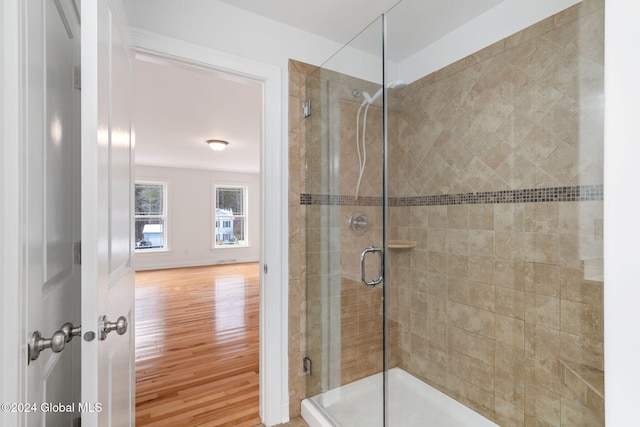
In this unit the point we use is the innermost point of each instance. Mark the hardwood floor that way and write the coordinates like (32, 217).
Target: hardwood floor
(197, 346)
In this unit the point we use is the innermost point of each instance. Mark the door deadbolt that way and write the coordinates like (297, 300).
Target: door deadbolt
(120, 326)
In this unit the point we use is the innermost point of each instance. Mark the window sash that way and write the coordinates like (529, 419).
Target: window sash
(230, 229)
(155, 213)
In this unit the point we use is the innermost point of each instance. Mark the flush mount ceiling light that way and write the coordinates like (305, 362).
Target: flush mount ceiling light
(217, 144)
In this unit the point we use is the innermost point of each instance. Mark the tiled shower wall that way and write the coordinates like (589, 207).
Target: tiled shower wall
(500, 303)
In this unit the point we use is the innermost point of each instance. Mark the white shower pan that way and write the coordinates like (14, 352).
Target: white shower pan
(413, 403)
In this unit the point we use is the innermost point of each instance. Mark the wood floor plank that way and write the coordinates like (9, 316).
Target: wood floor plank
(197, 346)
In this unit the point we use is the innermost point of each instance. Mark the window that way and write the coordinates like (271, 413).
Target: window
(230, 216)
(151, 216)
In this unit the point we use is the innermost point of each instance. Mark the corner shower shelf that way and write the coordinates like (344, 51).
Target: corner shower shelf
(402, 244)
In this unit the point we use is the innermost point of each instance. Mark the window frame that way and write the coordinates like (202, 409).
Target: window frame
(163, 216)
(215, 219)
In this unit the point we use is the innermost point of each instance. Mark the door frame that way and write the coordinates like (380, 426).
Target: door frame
(274, 363)
(274, 406)
(13, 363)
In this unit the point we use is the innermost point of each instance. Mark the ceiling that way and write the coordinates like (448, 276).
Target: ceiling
(411, 25)
(178, 107)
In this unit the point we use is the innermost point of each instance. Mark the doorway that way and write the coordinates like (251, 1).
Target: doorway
(179, 106)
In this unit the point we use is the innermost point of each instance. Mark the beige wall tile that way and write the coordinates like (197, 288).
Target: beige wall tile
(481, 268)
(509, 274)
(458, 216)
(481, 217)
(510, 302)
(493, 294)
(481, 242)
(510, 374)
(508, 414)
(583, 320)
(510, 331)
(543, 405)
(482, 295)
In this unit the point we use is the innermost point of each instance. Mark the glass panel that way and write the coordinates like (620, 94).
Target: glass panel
(344, 215)
(495, 174)
(150, 216)
(149, 233)
(230, 199)
(230, 224)
(149, 199)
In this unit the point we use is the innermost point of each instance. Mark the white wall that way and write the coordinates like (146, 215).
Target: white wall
(189, 229)
(622, 233)
(219, 26)
(499, 22)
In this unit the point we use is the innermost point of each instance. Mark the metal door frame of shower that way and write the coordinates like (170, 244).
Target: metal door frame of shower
(385, 230)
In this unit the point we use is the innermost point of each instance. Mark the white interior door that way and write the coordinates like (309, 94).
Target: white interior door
(108, 373)
(50, 209)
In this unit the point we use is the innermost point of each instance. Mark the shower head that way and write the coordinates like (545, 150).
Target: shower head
(396, 84)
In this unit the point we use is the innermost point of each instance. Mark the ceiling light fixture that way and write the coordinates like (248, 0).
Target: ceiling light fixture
(217, 144)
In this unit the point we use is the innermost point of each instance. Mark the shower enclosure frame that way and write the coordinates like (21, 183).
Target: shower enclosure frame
(560, 217)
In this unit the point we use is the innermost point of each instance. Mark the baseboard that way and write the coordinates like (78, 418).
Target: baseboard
(183, 264)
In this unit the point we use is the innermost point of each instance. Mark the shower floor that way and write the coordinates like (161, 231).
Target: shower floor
(412, 404)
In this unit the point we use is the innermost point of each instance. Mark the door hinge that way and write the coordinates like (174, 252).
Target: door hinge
(265, 268)
(77, 253)
(77, 77)
(306, 366)
(306, 108)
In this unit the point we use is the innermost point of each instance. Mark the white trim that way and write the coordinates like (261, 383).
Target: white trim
(194, 263)
(274, 387)
(12, 301)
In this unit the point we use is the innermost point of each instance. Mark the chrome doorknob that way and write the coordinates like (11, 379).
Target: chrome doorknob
(56, 343)
(120, 326)
(70, 331)
(37, 343)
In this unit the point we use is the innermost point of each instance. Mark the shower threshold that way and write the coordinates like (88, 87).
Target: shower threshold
(412, 403)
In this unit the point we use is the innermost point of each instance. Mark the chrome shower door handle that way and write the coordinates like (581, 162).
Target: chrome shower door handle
(363, 278)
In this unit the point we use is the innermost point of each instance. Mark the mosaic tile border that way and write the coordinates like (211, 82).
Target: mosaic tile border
(532, 195)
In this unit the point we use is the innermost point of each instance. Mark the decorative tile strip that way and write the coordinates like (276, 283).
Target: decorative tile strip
(532, 195)
(338, 200)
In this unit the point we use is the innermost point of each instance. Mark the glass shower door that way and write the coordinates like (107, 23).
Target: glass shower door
(482, 181)
(344, 211)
